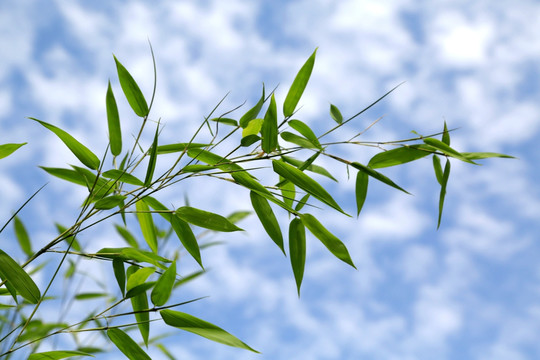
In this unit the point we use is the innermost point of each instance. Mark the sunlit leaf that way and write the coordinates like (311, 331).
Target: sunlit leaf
(253, 127)
(139, 303)
(225, 121)
(298, 140)
(127, 345)
(438, 169)
(249, 140)
(127, 236)
(446, 135)
(22, 236)
(329, 240)
(179, 147)
(139, 277)
(302, 202)
(82, 153)
(18, 278)
(147, 225)
(444, 182)
(120, 274)
(298, 86)
(269, 129)
(66, 174)
(163, 288)
(128, 253)
(306, 131)
(398, 156)
(122, 176)
(238, 215)
(297, 250)
(56, 355)
(485, 155)
(113, 121)
(202, 328)
(336, 114)
(152, 160)
(8, 149)
(253, 112)
(186, 236)
(206, 219)
(268, 219)
(313, 168)
(71, 240)
(362, 180)
(109, 202)
(288, 191)
(377, 175)
(139, 289)
(447, 150)
(131, 90)
(90, 295)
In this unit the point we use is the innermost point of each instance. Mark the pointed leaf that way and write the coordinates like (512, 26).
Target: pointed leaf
(122, 176)
(249, 140)
(152, 160)
(253, 112)
(110, 202)
(22, 236)
(362, 180)
(269, 129)
(302, 202)
(187, 238)
(113, 121)
(66, 174)
(268, 219)
(202, 328)
(336, 114)
(253, 127)
(127, 345)
(71, 240)
(446, 135)
(329, 240)
(56, 355)
(225, 121)
(140, 303)
(442, 195)
(398, 156)
(238, 215)
(447, 150)
(139, 277)
(82, 153)
(288, 191)
(18, 278)
(312, 167)
(298, 86)
(179, 147)
(147, 225)
(438, 169)
(8, 149)
(485, 155)
(131, 90)
(298, 140)
(206, 219)
(306, 131)
(297, 250)
(303, 181)
(127, 236)
(120, 274)
(377, 175)
(163, 288)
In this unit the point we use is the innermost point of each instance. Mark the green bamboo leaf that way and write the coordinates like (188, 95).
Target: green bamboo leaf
(140, 303)
(131, 90)
(139, 277)
(195, 168)
(268, 219)
(66, 174)
(269, 129)
(336, 114)
(140, 289)
(110, 202)
(179, 147)
(298, 86)
(8, 149)
(302, 202)
(152, 160)
(225, 121)
(297, 250)
(398, 156)
(120, 274)
(147, 225)
(303, 181)
(485, 155)
(82, 153)
(438, 169)
(362, 180)
(253, 112)
(249, 140)
(298, 140)
(163, 288)
(22, 236)
(127, 236)
(329, 240)
(238, 215)
(127, 345)
(253, 127)
(377, 175)
(213, 159)
(187, 238)
(122, 176)
(202, 328)
(56, 355)
(306, 131)
(90, 296)
(442, 195)
(18, 278)
(71, 240)
(113, 121)
(128, 253)
(206, 219)
(312, 167)
(288, 191)
(446, 135)
(447, 150)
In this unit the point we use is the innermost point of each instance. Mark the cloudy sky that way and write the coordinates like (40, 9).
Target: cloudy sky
(467, 291)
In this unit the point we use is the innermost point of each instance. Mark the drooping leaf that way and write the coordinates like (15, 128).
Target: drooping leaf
(268, 219)
(297, 250)
(238, 215)
(438, 169)
(225, 121)
(362, 180)
(442, 195)
(56, 355)
(120, 274)
(206, 219)
(18, 278)
(147, 225)
(66, 174)
(127, 345)
(122, 176)
(303, 181)
(298, 86)
(377, 175)
(446, 135)
(82, 153)
(113, 121)
(336, 114)
(8, 149)
(187, 238)
(22, 236)
(485, 155)
(110, 202)
(152, 160)
(269, 130)
(127, 236)
(306, 131)
(253, 112)
(447, 150)
(329, 240)
(202, 328)
(253, 127)
(398, 156)
(131, 90)
(179, 147)
(140, 303)
(163, 288)
(99, 187)
(313, 168)
(297, 139)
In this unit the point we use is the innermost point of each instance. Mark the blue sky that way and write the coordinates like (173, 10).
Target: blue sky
(467, 291)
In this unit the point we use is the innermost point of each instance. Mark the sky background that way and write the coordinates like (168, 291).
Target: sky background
(467, 291)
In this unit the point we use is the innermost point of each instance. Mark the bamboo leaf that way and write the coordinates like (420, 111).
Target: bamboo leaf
(139, 277)
(298, 140)
(109, 202)
(122, 176)
(297, 250)
(66, 174)
(113, 121)
(249, 140)
(202, 328)
(120, 274)
(288, 191)
(253, 127)
(56, 355)
(187, 238)
(302, 202)
(438, 169)
(140, 303)
(298, 86)
(127, 345)
(18, 278)
(444, 182)
(268, 219)
(306, 131)
(303, 181)
(336, 114)
(71, 240)
(377, 175)
(22, 236)
(179, 147)
(446, 135)
(147, 225)
(152, 160)
(398, 156)
(238, 215)
(312, 167)
(362, 180)
(447, 150)
(206, 219)
(163, 288)
(8, 149)
(82, 153)
(329, 240)
(131, 90)
(485, 155)
(253, 112)
(127, 236)
(90, 295)
(225, 121)
(269, 130)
